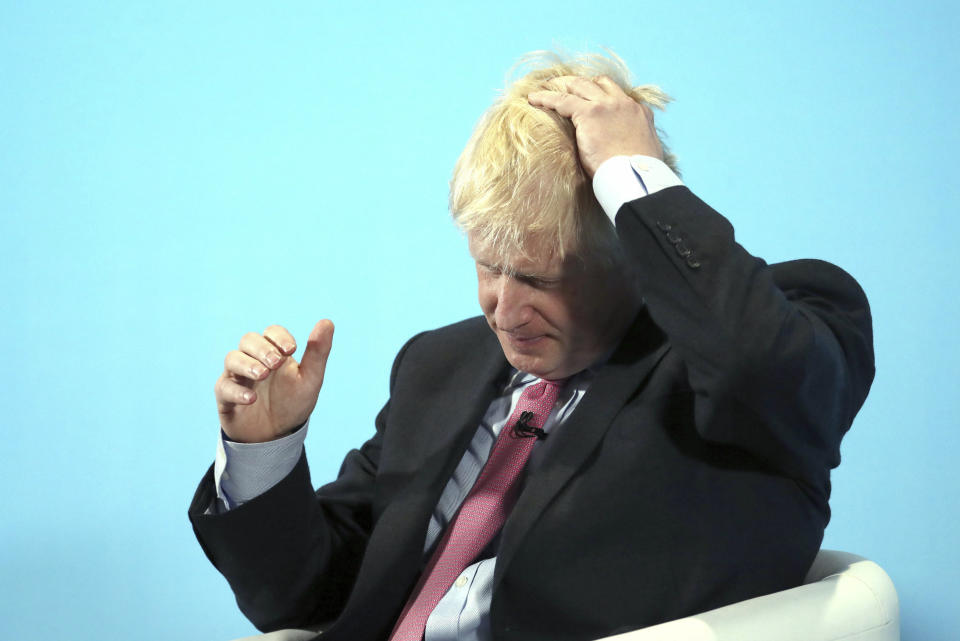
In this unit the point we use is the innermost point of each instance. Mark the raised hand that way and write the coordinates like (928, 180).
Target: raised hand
(608, 121)
(263, 392)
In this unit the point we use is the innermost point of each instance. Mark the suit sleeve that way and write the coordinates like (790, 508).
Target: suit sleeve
(291, 555)
(779, 357)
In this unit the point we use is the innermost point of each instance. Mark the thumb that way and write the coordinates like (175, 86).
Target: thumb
(314, 361)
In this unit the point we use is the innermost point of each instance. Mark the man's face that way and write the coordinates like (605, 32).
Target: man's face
(553, 318)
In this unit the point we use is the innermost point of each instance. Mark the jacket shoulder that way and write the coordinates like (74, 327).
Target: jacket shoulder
(468, 331)
(445, 348)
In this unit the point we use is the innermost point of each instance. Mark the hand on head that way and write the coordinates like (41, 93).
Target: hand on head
(608, 121)
(263, 392)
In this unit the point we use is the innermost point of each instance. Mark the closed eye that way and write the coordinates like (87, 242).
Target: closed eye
(537, 282)
(491, 269)
(531, 280)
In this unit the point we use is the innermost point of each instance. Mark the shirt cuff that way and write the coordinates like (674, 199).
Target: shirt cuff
(244, 471)
(620, 179)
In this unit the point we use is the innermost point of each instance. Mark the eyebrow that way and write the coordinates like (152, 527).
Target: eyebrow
(514, 273)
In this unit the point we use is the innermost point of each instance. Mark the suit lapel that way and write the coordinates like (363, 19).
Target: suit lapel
(641, 349)
(444, 420)
(447, 419)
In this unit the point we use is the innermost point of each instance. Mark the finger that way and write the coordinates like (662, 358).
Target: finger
(230, 393)
(564, 104)
(243, 366)
(314, 361)
(281, 338)
(610, 87)
(261, 349)
(583, 87)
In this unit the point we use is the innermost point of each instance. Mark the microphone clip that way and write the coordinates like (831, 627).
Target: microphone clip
(523, 429)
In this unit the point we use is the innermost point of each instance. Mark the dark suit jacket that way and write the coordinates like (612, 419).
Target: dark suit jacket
(693, 474)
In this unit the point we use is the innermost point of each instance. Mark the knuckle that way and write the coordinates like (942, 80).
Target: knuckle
(234, 362)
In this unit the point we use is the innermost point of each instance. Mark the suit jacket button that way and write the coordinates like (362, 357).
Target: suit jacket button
(693, 264)
(673, 238)
(683, 250)
(663, 226)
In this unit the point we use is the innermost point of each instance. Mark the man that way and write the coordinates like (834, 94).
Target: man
(647, 431)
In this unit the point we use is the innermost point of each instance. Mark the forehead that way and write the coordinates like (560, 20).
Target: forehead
(536, 259)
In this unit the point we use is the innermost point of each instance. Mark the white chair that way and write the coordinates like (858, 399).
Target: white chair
(845, 597)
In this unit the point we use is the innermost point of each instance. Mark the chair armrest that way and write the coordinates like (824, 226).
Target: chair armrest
(850, 598)
(283, 635)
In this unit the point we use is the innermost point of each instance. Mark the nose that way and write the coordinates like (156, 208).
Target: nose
(513, 308)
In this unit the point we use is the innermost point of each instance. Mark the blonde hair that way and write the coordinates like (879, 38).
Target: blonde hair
(518, 187)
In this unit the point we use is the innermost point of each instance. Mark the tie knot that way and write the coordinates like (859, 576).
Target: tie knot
(541, 395)
(543, 386)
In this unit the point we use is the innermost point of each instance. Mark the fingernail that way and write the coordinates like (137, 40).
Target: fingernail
(273, 359)
(247, 396)
(289, 347)
(257, 371)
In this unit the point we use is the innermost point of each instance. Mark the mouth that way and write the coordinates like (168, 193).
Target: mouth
(522, 343)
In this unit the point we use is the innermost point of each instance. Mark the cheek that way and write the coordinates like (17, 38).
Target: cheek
(567, 313)
(487, 298)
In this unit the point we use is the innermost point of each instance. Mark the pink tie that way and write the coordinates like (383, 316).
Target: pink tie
(482, 513)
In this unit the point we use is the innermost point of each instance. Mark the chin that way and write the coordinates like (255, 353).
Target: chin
(524, 362)
(538, 365)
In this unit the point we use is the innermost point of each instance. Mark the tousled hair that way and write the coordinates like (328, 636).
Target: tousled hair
(518, 187)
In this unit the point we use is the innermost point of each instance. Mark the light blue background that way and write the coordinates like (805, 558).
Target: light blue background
(175, 174)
